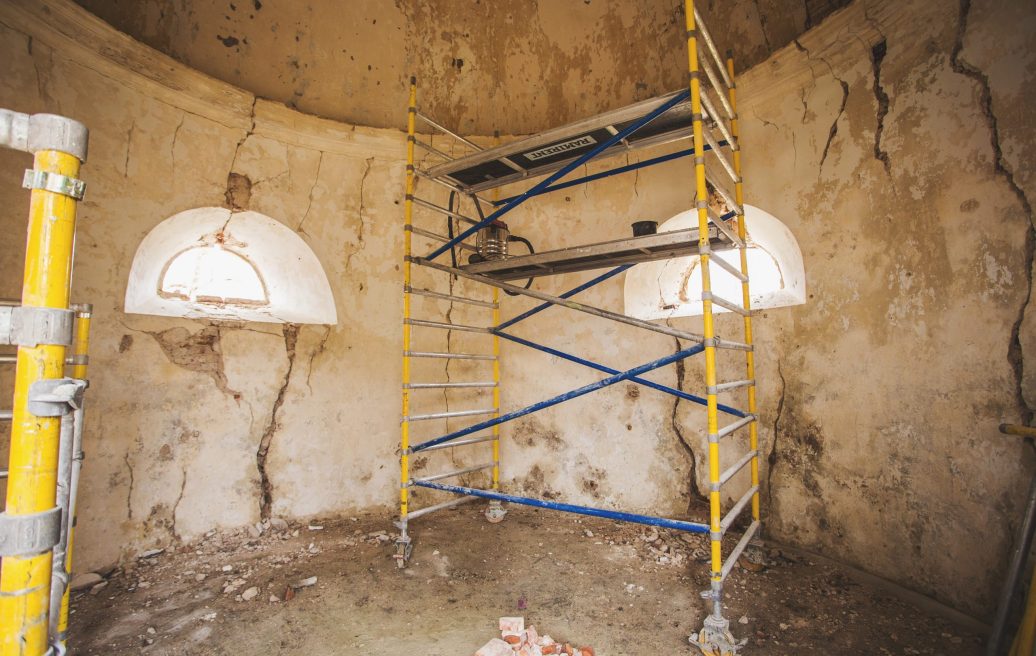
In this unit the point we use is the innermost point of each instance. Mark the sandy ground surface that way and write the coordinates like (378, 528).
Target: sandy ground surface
(622, 589)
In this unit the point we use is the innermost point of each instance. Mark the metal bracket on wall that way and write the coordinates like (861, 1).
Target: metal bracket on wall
(33, 326)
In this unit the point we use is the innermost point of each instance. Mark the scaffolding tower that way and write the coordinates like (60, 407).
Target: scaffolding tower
(432, 314)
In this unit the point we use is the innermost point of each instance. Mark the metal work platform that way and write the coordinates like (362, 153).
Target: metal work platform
(662, 246)
(548, 151)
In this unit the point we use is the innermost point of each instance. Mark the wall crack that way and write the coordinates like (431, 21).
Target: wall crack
(312, 189)
(878, 53)
(962, 67)
(694, 494)
(772, 458)
(291, 336)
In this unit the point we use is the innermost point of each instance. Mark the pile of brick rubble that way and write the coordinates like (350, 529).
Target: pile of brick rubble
(516, 640)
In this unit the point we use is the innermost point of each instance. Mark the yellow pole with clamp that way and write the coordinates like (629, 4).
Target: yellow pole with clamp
(59, 146)
(402, 546)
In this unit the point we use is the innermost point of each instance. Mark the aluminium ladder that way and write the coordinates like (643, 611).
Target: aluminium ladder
(710, 121)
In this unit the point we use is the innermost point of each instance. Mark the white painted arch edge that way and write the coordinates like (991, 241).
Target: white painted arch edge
(672, 288)
(296, 285)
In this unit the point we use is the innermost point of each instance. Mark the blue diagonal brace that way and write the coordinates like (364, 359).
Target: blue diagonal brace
(608, 370)
(562, 172)
(570, 293)
(679, 525)
(610, 172)
(561, 398)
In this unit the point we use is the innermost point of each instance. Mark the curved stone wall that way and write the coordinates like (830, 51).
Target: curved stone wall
(892, 141)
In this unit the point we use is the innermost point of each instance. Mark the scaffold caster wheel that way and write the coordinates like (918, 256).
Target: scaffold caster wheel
(495, 512)
(715, 639)
(403, 548)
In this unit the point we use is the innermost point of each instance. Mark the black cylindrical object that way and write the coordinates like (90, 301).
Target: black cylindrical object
(642, 228)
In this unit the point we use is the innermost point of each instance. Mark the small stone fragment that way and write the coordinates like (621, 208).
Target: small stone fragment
(512, 626)
(85, 580)
(250, 593)
(495, 647)
(278, 524)
(304, 583)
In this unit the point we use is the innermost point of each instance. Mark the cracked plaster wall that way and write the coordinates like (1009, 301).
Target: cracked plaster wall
(879, 398)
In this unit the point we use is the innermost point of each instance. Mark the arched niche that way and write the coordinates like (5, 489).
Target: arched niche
(210, 262)
(672, 288)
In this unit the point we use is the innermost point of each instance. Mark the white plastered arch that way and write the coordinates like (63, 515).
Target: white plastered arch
(294, 286)
(672, 288)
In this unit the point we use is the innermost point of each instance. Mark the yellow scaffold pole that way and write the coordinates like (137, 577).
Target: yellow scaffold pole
(742, 233)
(714, 639)
(403, 544)
(80, 355)
(59, 146)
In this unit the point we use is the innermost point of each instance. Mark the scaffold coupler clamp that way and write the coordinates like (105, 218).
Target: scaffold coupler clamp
(495, 512)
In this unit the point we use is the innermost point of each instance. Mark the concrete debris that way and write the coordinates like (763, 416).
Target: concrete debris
(516, 640)
(232, 586)
(250, 594)
(151, 553)
(255, 531)
(304, 583)
(315, 527)
(85, 580)
(227, 568)
(279, 524)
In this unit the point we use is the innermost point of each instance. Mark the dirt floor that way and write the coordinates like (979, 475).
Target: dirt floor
(622, 589)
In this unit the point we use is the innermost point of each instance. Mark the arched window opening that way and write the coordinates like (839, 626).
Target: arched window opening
(215, 275)
(212, 263)
(672, 288)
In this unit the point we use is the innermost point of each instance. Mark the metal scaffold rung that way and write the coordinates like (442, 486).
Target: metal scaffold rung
(736, 552)
(438, 126)
(448, 415)
(432, 149)
(449, 297)
(734, 384)
(437, 237)
(448, 356)
(472, 440)
(729, 519)
(420, 202)
(729, 268)
(448, 385)
(730, 428)
(724, 303)
(731, 471)
(439, 506)
(446, 326)
(451, 474)
(6, 415)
